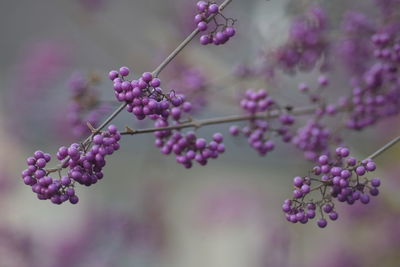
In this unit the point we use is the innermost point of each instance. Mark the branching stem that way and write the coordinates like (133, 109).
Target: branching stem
(155, 73)
(220, 120)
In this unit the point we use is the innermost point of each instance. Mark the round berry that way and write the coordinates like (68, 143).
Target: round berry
(124, 71)
(322, 223)
(112, 75)
(298, 181)
(213, 8)
(205, 39)
(375, 182)
(370, 166)
(230, 31)
(333, 216)
(147, 77)
(360, 170)
(202, 26)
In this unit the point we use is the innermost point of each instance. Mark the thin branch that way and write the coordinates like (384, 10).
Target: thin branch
(220, 120)
(372, 156)
(155, 73)
(384, 148)
(107, 121)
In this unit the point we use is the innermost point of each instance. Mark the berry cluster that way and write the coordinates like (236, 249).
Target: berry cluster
(188, 147)
(85, 106)
(259, 129)
(341, 178)
(145, 97)
(84, 166)
(221, 32)
(57, 190)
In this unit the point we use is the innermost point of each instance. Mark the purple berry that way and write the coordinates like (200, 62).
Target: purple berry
(205, 39)
(113, 74)
(375, 182)
(364, 198)
(202, 26)
(322, 223)
(230, 31)
(360, 170)
(370, 166)
(213, 8)
(333, 216)
(147, 77)
(124, 71)
(298, 181)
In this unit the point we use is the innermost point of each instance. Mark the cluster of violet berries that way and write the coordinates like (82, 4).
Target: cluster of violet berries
(259, 130)
(36, 176)
(341, 178)
(187, 147)
(217, 36)
(84, 107)
(145, 98)
(84, 167)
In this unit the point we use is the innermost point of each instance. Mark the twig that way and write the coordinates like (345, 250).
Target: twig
(220, 120)
(155, 73)
(157, 70)
(384, 148)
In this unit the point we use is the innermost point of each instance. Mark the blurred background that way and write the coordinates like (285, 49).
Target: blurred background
(148, 210)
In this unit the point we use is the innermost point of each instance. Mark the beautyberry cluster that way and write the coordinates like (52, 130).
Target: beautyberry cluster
(221, 32)
(145, 97)
(259, 129)
(84, 167)
(46, 187)
(188, 147)
(340, 178)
